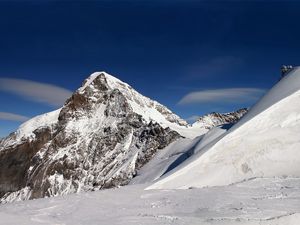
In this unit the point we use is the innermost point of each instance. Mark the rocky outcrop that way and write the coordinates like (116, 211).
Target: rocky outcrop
(215, 119)
(97, 140)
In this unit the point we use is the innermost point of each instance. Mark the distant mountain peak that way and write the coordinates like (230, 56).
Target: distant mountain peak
(214, 119)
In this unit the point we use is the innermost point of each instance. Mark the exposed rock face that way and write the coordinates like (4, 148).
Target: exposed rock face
(97, 140)
(15, 161)
(103, 134)
(214, 119)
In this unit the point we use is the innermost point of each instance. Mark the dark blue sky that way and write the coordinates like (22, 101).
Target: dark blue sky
(164, 49)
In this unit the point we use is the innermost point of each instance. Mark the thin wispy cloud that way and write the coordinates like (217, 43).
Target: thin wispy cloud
(35, 91)
(227, 95)
(12, 117)
(215, 67)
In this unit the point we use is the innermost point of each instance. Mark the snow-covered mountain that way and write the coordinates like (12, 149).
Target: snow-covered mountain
(105, 132)
(101, 136)
(264, 143)
(72, 146)
(215, 119)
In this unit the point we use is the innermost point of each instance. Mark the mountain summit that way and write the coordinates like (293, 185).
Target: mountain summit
(105, 132)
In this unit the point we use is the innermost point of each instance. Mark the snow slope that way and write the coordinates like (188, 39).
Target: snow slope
(175, 156)
(255, 202)
(265, 143)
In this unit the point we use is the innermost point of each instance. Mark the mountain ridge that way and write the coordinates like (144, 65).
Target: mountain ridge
(214, 119)
(105, 132)
(263, 144)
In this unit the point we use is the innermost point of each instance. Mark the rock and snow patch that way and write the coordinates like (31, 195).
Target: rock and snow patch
(214, 119)
(150, 110)
(26, 130)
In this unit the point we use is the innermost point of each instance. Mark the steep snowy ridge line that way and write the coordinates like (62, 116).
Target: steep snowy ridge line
(264, 143)
(256, 202)
(288, 85)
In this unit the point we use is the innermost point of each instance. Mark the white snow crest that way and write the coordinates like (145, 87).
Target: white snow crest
(26, 129)
(265, 143)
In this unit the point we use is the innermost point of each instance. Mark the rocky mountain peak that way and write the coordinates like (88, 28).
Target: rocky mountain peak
(102, 135)
(105, 132)
(214, 119)
(151, 110)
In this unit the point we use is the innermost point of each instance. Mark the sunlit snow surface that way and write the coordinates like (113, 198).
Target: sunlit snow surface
(268, 201)
(265, 143)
